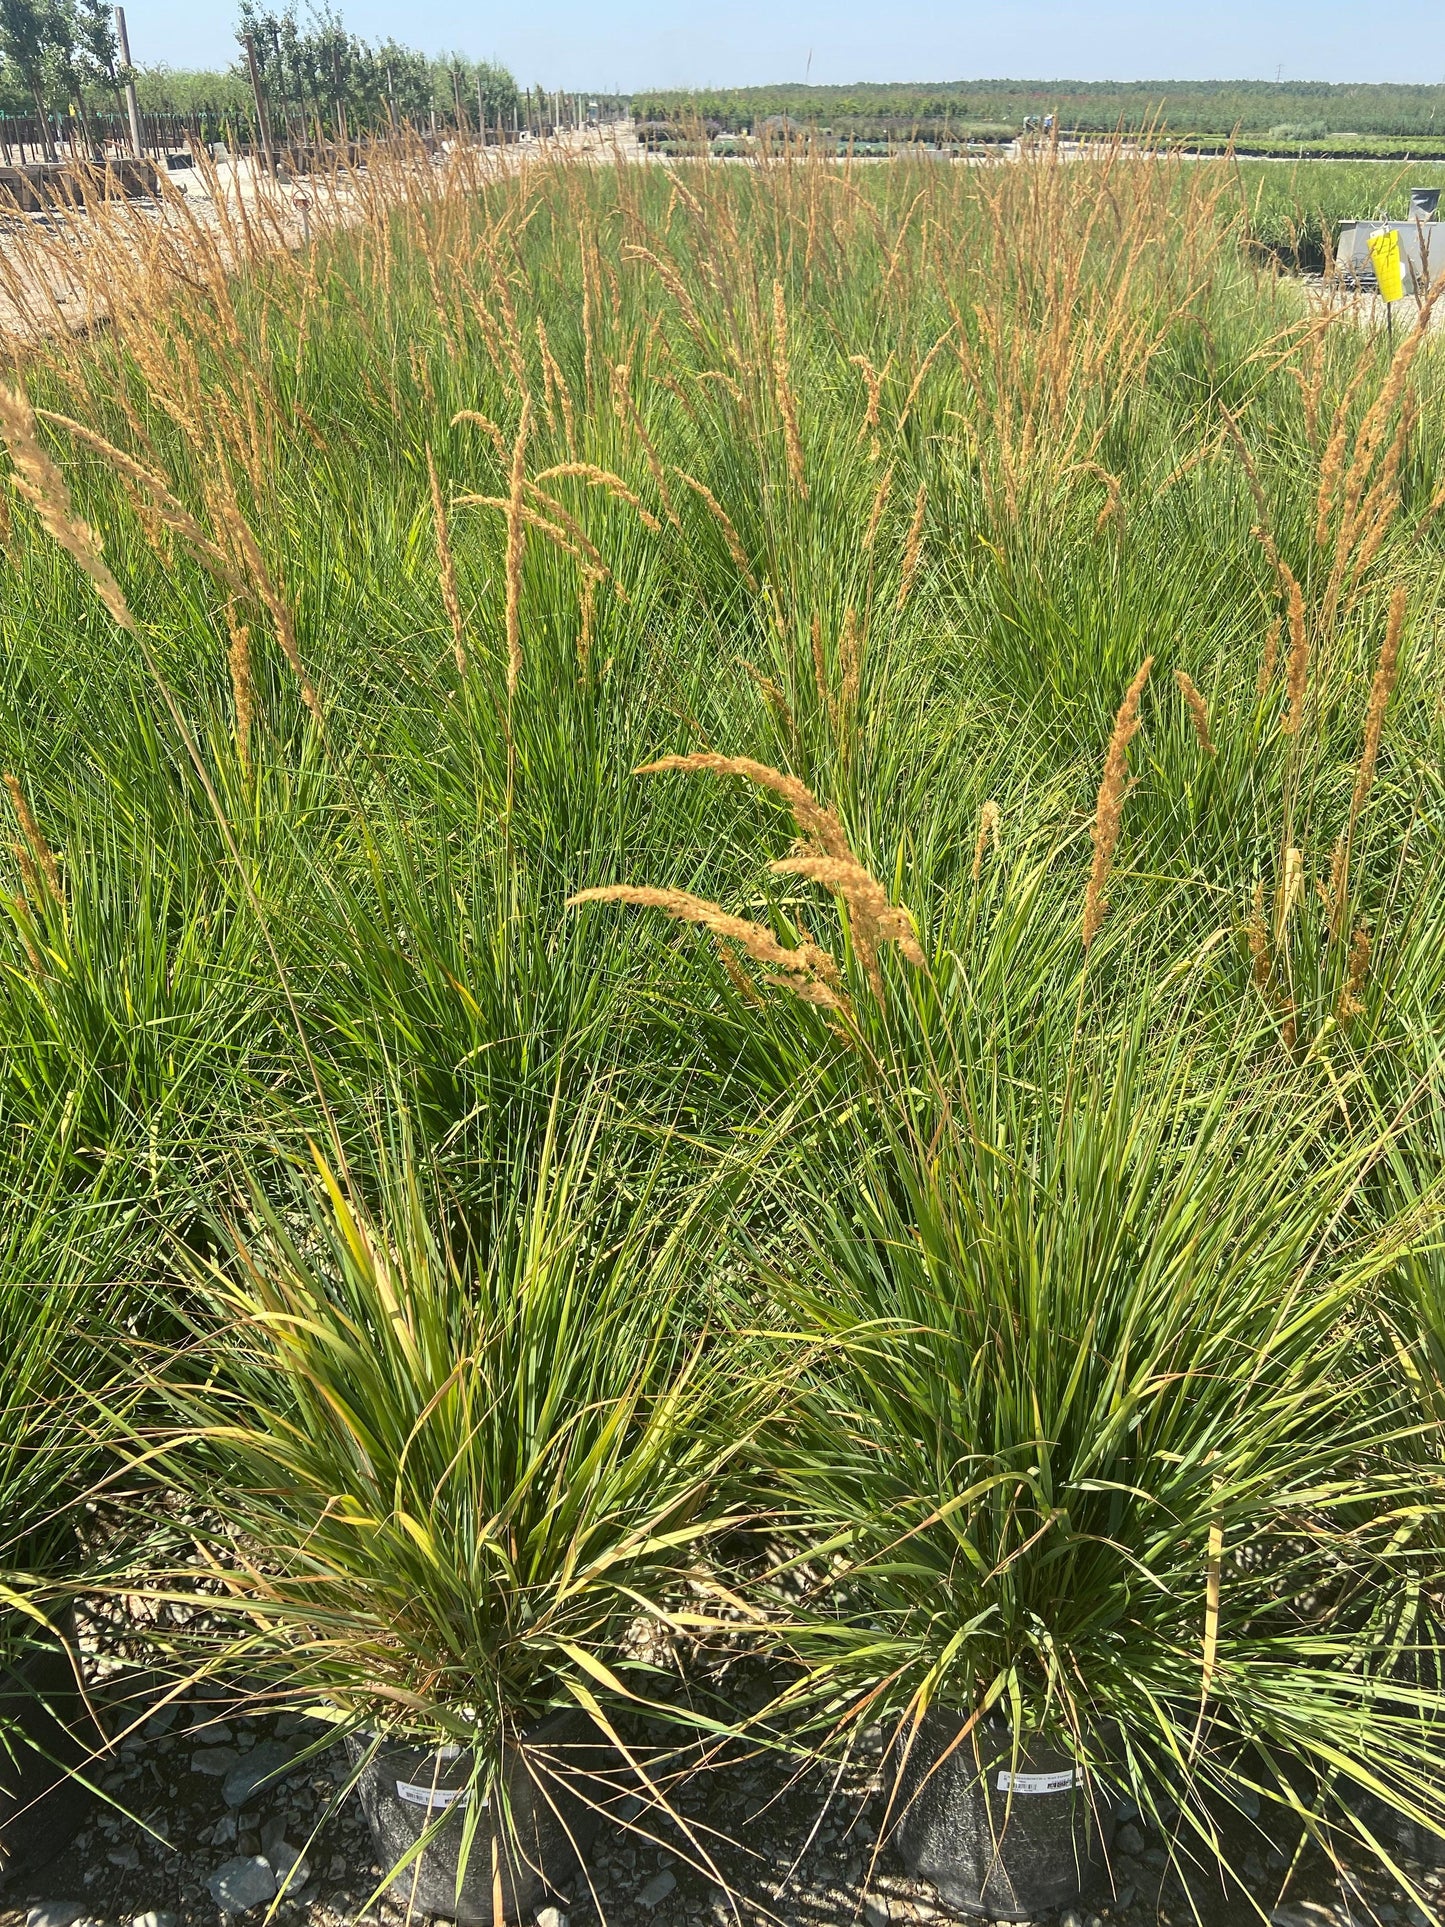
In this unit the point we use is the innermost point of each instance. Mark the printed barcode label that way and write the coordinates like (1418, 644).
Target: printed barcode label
(433, 1798)
(1039, 1782)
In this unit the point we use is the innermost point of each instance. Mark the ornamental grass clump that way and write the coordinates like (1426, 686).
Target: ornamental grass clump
(1085, 1448)
(461, 1481)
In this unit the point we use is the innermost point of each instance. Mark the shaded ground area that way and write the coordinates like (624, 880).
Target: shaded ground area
(209, 1841)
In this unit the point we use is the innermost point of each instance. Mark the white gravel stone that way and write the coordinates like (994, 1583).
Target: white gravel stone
(551, 1917)
(242, 1883)
(264, 1763)
(55, 1913)
(657, 1889)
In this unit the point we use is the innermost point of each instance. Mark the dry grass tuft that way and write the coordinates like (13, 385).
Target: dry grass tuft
(41, 858)
(41, 483)
(872, 919)
(787, 404)
(516, 544)
(990, 820)
(1296, 675)
(1110, 806)
(818, 824)
(808, 971)
(913, 547)
(1198, 712)
(1352, 1004)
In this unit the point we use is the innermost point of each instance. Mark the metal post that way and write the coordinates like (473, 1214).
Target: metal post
(132, 105)
(263, 125)
(481, 111)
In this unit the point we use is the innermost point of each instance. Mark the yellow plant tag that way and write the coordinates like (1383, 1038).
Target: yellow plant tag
(1385, 252)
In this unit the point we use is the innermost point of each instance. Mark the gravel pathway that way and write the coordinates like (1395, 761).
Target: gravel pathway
(218, 1824)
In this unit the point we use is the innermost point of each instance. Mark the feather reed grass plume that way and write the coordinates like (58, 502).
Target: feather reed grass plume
(1297, 666)
(1269, 661)
(809, 971)
(875, 513)
(819, 825)
(787, 405)
(872, 919)
(1110, 806)
(603, 478)
(730, 535)
(516, 544)
(42, 857)
(913, 547)
(251, 563)
(446, 566)
(1198, 712)
(1258, 929)
(1351, 1003)
(1382, 686)
(989, 822)
(873, 378)
(850, 659)
(160, 502)
(41, 483)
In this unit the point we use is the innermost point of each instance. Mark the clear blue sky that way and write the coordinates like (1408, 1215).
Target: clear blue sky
(628, 44)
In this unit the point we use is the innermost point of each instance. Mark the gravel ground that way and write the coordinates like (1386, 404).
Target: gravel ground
(212, 1848)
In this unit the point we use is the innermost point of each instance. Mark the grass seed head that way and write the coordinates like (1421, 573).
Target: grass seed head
(41, 483)
(1298, 666)
(1109, 809)
(40, 852)
(989, 821)
(1198, 712)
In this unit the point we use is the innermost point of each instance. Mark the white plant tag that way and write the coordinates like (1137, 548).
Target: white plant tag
(434, 1799)
(1059, 1782)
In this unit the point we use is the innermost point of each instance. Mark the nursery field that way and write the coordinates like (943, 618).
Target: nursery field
(722, 986)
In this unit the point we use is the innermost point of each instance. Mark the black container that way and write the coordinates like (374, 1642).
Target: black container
(998, 1836)
(45, 1732)
(406, 1789)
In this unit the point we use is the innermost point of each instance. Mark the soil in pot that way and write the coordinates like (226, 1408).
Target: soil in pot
(554, 1811)
(998, 1835)
(45, 1732)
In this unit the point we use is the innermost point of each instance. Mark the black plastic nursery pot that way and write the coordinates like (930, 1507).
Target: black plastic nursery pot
(997, 1835)
(554, 1818)
(44, 1724)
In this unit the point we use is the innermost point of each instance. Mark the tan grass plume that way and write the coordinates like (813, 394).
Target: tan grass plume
(1297, 666)
(1352, 1004)
(913, 547)
(1198, 712)
(875, 513)
(782, 381)
(516, 544)
(809, 971)
(989, 821)
(1110, 806)
(39, 851)
(41, 483)
(1382, 685)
